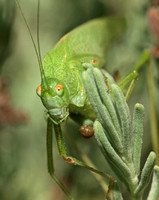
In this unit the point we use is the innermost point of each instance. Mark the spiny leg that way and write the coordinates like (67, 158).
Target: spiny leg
(50, 159)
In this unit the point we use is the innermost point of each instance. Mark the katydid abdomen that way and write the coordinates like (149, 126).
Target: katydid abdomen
(62, 90)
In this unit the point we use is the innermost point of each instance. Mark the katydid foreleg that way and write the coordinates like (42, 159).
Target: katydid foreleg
(70, 159)
(50, 164)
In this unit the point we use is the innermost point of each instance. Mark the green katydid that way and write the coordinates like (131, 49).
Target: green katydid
(61, 90)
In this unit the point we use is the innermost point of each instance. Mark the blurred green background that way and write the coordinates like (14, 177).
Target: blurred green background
(23, 169)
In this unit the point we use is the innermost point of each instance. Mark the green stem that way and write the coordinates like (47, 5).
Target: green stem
(153, 115)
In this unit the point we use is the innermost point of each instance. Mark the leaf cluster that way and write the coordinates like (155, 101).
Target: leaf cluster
(120, 138)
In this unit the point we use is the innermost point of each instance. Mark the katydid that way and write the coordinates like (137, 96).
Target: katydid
(62, 91)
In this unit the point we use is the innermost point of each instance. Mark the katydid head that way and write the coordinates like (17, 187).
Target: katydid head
(55, 98)
(53, 92)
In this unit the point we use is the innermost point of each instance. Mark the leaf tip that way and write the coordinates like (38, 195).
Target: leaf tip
(139, 106)
(156, 168)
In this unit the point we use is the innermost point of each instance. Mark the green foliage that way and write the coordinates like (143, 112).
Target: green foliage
(124, 157)
(154, 192)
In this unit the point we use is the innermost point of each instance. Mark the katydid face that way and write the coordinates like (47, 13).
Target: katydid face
(55, 98)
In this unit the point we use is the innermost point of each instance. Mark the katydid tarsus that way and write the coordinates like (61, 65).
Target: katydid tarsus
(62, 91)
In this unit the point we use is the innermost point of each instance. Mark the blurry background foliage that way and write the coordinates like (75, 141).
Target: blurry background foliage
(23, 170)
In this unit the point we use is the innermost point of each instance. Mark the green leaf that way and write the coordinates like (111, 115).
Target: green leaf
(110, 79)
(137, 133)
(154, 191)
(106, 99)
(100, 109)
(116, 192)
(146, 173)
(109, 151)
(125, 119)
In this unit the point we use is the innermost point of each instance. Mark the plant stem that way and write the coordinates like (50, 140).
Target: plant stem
(153, 115)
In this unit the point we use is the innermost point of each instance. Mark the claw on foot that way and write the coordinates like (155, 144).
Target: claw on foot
(69, 160)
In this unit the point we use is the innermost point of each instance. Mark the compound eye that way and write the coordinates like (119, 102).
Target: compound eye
(59, 90)
(38, 90)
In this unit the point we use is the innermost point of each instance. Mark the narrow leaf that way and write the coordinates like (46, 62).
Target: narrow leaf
(154, 191)
(137, 133)
(106, 99)
(100, 109)
(108, 150)
(116, 192)
(125, 118)
(110, 78)
(113, 192)
(146, 173)
(116, 171)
